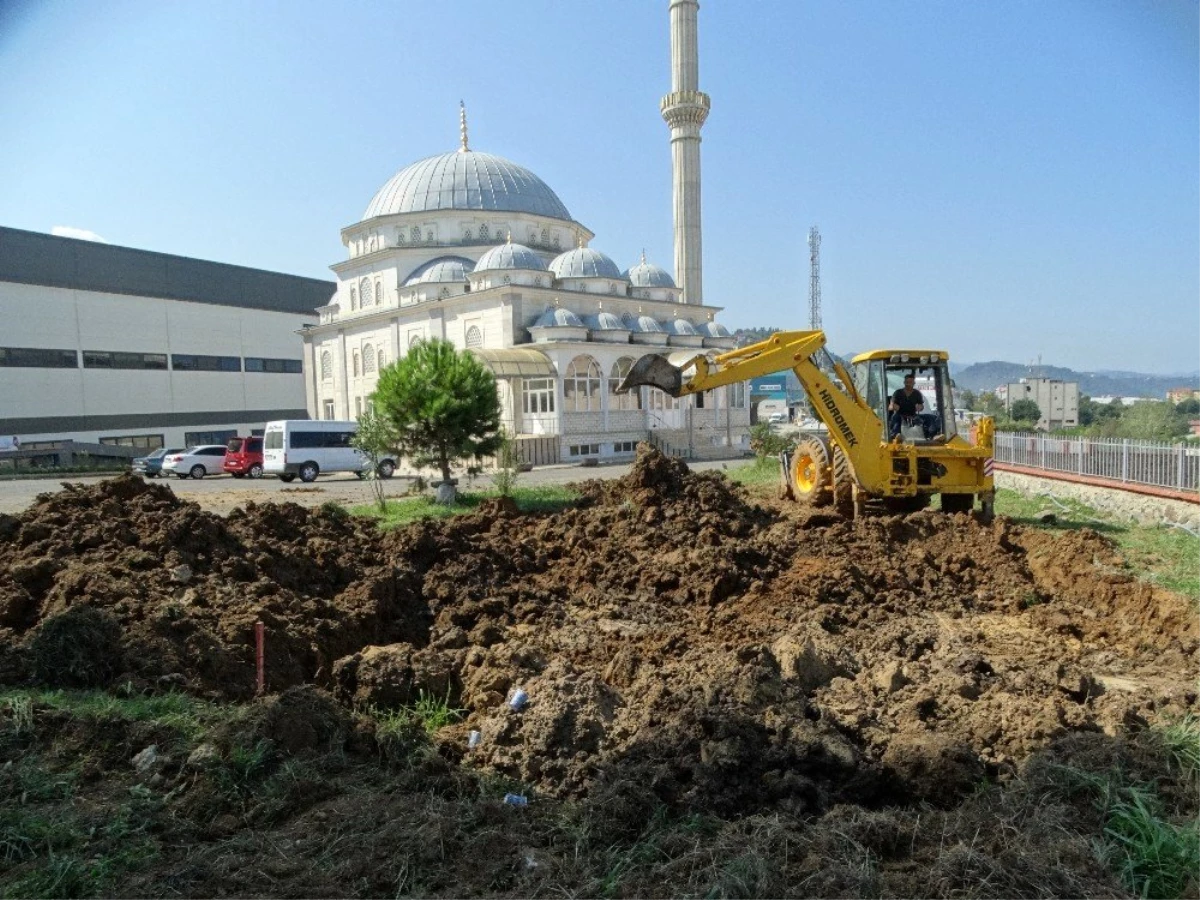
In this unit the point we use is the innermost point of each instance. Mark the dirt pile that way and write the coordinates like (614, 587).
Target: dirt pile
(669, 632)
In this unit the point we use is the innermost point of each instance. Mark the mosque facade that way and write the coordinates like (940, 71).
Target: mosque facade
(477, 250)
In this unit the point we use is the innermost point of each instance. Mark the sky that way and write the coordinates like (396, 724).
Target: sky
(1015, 180)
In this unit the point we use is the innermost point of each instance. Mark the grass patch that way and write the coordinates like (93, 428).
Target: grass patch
(181, 713)
(545, 498)
(765, 471)
(1162, 554)
(1153, 857)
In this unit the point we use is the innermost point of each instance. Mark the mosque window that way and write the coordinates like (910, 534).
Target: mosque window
(621, 401)
(556, 242)
(413, 340)
(357, 364)
(467, 235)
(378, 293)
(444, 293)
(532, 236)
(612, 287)
(429, 236)
(364, 293)
(371, 245)
(539, 281)
(483, 232)
(545, 235)
(581, 386)
(382, 359)
(538, 395)
(326, 365)
(474, 337)
(353, 298)
(368, 359)
(737, 395)
(399, 236)
(508, 279)
(659, 400)
(416, 235)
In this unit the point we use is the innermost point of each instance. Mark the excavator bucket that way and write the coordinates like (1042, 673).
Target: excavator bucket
(655, 371)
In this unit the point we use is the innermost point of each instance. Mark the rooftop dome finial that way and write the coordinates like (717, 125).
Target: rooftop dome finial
(510, 235)
(643, 256)
(579, 241)
(462, 126)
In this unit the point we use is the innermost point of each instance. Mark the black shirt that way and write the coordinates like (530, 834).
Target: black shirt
(907, 404)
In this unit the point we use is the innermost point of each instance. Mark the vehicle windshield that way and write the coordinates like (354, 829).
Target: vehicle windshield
(934, 384)
(234, 445)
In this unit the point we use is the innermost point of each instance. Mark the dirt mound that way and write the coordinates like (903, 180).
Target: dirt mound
(668, 632)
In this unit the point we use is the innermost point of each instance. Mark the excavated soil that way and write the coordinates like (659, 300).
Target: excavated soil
(732, 657)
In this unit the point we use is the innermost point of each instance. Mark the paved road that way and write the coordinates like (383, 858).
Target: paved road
(223, 493)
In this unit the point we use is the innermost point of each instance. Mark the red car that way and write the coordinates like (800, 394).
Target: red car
(243, 456)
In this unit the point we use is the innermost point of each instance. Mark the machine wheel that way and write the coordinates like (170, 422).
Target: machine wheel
(287, 478)
(309, 472)
(957, 503)
(198, 472)
(386, 468)
(255, 471)
(843, 484)
(811, 474)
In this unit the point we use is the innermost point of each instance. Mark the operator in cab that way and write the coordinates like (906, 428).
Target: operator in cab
(905, 403)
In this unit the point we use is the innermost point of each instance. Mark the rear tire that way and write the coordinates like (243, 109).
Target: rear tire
(288, 478)
(811, 475)
(843, 484)
(256, 471)
(198, 472)
(387, 468)
(309, 472)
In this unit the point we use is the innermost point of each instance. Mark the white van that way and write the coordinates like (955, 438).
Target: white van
(310, 447)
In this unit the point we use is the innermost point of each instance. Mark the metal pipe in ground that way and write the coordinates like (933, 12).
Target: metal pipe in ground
(260, 656)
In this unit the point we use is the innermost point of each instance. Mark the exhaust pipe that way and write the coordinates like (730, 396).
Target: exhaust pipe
(653, 370)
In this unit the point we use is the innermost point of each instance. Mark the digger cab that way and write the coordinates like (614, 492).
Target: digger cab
(879, 374)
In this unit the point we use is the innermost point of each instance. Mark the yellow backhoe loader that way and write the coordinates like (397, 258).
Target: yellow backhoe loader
(866, 457)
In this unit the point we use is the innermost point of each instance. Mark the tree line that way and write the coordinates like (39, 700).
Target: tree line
(1158, 420)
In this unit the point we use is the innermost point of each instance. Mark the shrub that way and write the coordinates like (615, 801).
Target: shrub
(78, 648)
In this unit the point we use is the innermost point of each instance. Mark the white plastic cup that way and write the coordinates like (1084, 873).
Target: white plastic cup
(473, 740)
(519, 698)
(516, 799)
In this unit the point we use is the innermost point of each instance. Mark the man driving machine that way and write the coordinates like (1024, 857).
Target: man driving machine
(905, 403)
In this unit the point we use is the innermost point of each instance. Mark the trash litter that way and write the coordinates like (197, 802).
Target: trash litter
(473, 740)
(516, 799)
(519, 699)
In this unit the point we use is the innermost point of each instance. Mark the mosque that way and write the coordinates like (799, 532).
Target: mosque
(475, 249)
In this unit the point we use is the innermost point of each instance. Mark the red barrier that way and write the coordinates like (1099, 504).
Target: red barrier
(260, 655)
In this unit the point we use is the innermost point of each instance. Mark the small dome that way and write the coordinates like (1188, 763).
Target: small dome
(646, 274)
(643, 324)
(606, 321)
(715, 329)
(510, 256)
(466, 180)
(558, 317)
(682, 326)
(584, 262)
(444, 268)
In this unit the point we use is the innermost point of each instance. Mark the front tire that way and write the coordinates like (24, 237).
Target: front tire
(309, 472)
(811, 475)
(255, 471)
(198, 472)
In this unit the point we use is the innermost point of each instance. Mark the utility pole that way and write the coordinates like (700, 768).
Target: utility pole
(814, 279)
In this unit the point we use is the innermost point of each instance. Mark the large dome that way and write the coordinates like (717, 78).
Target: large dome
(466, 180)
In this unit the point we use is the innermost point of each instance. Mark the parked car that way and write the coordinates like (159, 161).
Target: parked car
(195, 462)
(243, 456)
(151, 466)
(777, 418)
(309, 448)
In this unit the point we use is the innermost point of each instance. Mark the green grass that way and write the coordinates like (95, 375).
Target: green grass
(184, 714)
(1153, 857)
(546, 498)
(762, 471)
(1162, 554)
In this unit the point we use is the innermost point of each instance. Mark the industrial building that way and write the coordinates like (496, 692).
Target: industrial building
(111, 345)
(1058, 401)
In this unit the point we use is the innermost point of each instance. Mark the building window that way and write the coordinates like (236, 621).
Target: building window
(144, 441)
(624, 446)
(545, 235)
(583, 450)
(416, 235)
(378, 293)
(737, 395)
(382, 360)
(474, 337)
(326, 365)
(185, 362)
(621, 401)
(483, 232)
(28, 357)
(357, 364)
(581, 386)
(399, 235)
(368, 359)
(105, 359)
(328, 409)
(364, 293)
(200, 438)
(660, 400)
(353, 298)
(358, 407)
(413, 340)
(538, 396)
(274, 366)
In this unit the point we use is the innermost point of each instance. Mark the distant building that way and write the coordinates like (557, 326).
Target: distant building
(1179, 394)
(111, 345)
(1124, 401)
(1057, 400)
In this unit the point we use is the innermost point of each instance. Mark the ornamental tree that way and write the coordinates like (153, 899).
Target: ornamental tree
(439, 405)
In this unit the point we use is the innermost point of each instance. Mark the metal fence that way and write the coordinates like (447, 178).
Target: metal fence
(1154, 463)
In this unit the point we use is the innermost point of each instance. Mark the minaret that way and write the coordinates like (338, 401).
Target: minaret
(684, 110)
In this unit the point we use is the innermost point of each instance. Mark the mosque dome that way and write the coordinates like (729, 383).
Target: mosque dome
(647, 325)
(605, 321)
(682, 326)
(715, 329)
(466, 180)
(646, 274)
(442, 269)
(509, 256)
(558, 317)
(584, 262)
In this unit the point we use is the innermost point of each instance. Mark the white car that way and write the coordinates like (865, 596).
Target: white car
(196, 462)
(777, 417)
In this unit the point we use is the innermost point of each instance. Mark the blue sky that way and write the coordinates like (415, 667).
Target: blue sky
(1006, 180)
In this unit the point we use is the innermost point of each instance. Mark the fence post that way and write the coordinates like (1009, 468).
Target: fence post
(1082, 442)
(1179, 466)
(1125, 459)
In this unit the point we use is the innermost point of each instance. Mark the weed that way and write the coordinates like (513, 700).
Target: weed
(1152, 856)
(547, 498)
(78, 648)
(334, 510)
(763, 471)
(435, 713)
(1182, 738)
(19, 712)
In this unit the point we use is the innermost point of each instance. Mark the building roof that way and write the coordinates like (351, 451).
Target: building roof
(29, 257)
(452, 269)
(584, 262)
(646, 274)
(466, 180)
(509, 256)
(516, 363)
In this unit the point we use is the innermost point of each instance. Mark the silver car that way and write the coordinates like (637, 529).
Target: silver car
(196, 462)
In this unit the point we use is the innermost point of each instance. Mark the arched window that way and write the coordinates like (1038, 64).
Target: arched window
(399, 235)
(382, 359)
(364, 293)
(326, 365)
(413, 340)
(429, 236)
(581, 385)
(368, 359)
(371, 245)
(545, 235)
(474, 337)
(444, 293)
(621, 401)
(483, 232)
(416, 234)
(378, 292)
(353, 298)
(357, 364)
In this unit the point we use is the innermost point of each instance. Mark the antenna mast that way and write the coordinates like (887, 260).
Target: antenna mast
(814, 279)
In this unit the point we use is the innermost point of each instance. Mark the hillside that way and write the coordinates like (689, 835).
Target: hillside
(988, 375)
